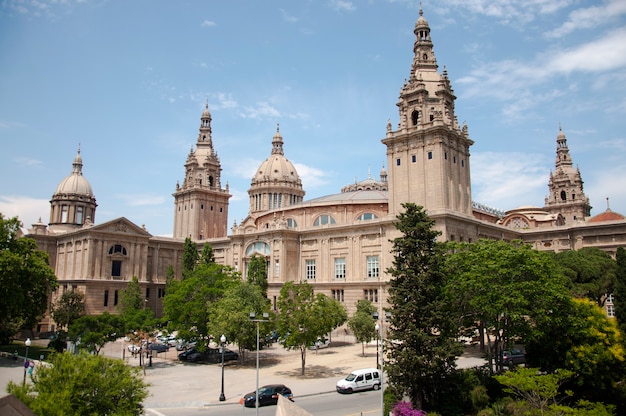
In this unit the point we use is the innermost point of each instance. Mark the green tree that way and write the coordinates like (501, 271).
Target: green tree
(133, 311)
(303, 317)
(590, 270)
(26, 280)
(231, 316)
(495, 286)
(188, 302)
(257, 273)
(426, 348)
(170, 276)
(83, 384)
(619, 291)
(91, 332)
(190, 257)
(69, 307)
(207, 257)
(362, 324)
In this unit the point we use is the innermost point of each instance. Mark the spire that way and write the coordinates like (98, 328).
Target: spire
(277, 142)
(563, 158)
(77, 165)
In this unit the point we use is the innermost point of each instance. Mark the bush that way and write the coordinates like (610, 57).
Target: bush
(406, 409)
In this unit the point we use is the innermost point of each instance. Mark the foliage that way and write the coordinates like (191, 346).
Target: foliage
(207, 257)
(26, 280)
(406, 409)
(231, 316)
(187, 303)
(304, 317)
(590, 270)
(170, 276)
(257, 273)
(83, 385)
(91, 332)
(619, 291)
(500, 288)
(69, 307)
(190, 257)
(133, 311)
(362, 324)
(426, 351)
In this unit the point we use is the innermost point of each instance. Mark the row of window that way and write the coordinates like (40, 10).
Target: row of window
(372, 270)
(160, 294)
(430, 156)
(368, 294)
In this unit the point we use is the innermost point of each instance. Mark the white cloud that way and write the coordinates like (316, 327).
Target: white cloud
(261, 110)
(207, 23)
(508, 11)
(288, 17)
(312, 177)
(590, 17)
(28, 210)
(28, 162)
(343, 5)
(135, 200)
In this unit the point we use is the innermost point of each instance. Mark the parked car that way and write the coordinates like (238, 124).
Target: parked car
(185, 345)
(155, 346)
(268, 395)
(513, 357)
(319, 344)
(184, 356)
(214, 355)
(364, 379)
(134, 349)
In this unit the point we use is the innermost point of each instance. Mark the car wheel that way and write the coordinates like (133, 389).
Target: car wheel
(349, 391)
(376, 386)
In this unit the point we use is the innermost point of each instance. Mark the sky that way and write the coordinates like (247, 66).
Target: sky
(127, 81)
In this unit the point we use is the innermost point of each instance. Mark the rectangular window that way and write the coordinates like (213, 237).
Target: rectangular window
(372, 267)
(115, 297)
(338, 295)
(310, 269)
(116, 268)
(430, 155)
(276, 268)
(371, 295)
(413, 158)
(147, 293)
(398, 162)
(340, 268)
(79, 215)
(64, 214)
(106, 298)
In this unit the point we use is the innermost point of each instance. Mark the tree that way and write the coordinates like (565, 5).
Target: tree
(590, 270)
(362, 324)
(26, 280)
(497, 285)
(188, 302)
(231, 316)
(257, 273)
(91, 332)
(190, 257)
(69, 307)
(207, 257)
(619, 291)
(132, 306)
(83, 385)
(421, 343)
(303, 317)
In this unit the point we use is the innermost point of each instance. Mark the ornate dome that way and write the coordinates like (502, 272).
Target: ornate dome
(75, 184)
(277, 168)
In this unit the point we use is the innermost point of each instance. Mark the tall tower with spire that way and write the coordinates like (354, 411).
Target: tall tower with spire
(201, 204)
(276, 183)
(566, 186)
(428, 154)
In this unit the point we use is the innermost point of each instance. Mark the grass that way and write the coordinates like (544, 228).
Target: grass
(34, 351)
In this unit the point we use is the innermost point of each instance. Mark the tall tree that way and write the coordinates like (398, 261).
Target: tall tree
(590, 270)
(362, 324)
(69, 307)
(207, 257)
(133, 311)
(303, 317)
(619, 292)
(92, 332)
(190, 257)
(26, 280)
(257, 273)
(84, 384)
(426, 348)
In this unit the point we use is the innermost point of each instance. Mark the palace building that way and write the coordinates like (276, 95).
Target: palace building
(339, 243)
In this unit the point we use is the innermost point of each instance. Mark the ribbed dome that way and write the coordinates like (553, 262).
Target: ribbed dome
(75, 184)
(276, 168)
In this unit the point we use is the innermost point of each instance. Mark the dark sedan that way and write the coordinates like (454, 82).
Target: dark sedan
(214, 355)
(268, 395)
(157, 347)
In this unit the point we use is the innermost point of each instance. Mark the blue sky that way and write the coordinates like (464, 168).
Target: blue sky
(128, 80)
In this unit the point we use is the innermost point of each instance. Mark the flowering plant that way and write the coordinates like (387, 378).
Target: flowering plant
(406, 409)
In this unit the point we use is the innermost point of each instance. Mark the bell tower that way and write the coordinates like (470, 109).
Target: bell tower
(428, 154)
(201, 204)
(566, 186)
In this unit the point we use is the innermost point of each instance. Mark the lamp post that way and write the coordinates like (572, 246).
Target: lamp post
(377, 328)
(382, 356)
(223, 341)
(26, 362)
(253, 319)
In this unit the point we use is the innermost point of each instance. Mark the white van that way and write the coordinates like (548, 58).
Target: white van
(364, 379)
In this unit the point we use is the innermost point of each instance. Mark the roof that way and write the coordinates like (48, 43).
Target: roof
(356, 196)
(607, 215)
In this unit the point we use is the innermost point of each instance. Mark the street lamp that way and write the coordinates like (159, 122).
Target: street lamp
(377, 328)
(382, 356)
(26, 362)
(223, 341)
(253, 319)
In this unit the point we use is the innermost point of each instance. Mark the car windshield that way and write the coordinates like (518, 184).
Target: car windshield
(264, 390)
(351, 377)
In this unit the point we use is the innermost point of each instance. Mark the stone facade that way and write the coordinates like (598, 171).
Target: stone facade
(339, 243)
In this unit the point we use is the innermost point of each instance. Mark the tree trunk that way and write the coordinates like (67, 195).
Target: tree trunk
(303, 357)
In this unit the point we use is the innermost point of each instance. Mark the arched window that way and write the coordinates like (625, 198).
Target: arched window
(258, 247)
(323, 220)
(415, 116)
(291, 223)
(367, 216)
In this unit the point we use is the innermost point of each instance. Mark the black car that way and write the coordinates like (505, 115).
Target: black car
(214, 355)
(513, 357)
(267, 395)
(185, 355)
(157, 347)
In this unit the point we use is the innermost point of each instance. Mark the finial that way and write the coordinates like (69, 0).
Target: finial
(421, 11)
(608, 207)
(369, 173)
(277, 127)
(207, 102)
(78, 147)
(560, 126)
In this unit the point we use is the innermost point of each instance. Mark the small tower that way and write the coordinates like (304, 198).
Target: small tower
(201, 204)
(276, 183)
(73, 204)
(566, 186)
(428, 155)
